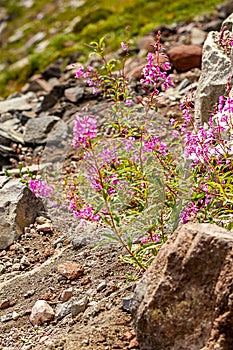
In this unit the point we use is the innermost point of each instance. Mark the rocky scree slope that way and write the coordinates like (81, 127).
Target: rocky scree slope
(53, 260)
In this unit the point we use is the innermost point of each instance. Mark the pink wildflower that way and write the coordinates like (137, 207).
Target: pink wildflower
(79, 72)
(124, 46)
(85, 128)
(41, 188)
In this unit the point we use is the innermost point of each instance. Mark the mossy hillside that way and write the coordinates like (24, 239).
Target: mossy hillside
(93, 20)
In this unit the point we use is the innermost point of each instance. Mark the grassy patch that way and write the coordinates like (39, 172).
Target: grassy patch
(94, 19)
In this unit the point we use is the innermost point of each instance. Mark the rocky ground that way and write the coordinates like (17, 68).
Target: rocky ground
(56, 258)
(102, 284)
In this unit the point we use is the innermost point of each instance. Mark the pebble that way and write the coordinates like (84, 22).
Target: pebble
(16, 267)
(6, 318)
(5, 304)
(29, 293)
(70, 270)
(126, 303)
(63, 309)
(2, 269)
(79, 305)
(66, 294)
(101, 286)
(78, 242)
(15, 315)
(46, 227)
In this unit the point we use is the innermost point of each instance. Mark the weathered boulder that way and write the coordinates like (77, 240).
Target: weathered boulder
(185, 57)
(37, 129)
(41, 312)
(18, 209)
(184, 300)
(225, 9)
(74, 94)
(216, 70)
(19, 103)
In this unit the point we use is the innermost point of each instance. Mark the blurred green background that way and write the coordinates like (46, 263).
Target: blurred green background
(34, 34)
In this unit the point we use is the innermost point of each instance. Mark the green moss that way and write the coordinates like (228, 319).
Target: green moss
(97, 19)
(92, 17)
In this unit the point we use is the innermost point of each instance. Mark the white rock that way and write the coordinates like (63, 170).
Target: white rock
(41, 312)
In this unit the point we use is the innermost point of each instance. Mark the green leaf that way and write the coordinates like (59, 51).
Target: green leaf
(111, 237)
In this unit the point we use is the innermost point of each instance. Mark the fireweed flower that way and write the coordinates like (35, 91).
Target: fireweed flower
(85, 128)
(79, 72)
(154, 76)
(152, 144)
(128, 103)
(41, 188)
(124, 46)
(87, 214)
(150, 238)
(188, 213)
(108, 156)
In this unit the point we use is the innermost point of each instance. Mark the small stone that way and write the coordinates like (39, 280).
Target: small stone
(126, 303)
(16, 267)
(74, 94)
(85, 342)
(133, 344)
(41, 312)
(4, 304)
(27, 230)
(128, 336)
(70, 270)
(66, 294)
(79, 305)
(6, 318)
(63, 309)
(42, 220)
(46, 227)
(24, 261)
(29, 293)
(185, 57)
(78, 242)
(15, 315)
(101, 286)
(2, 269)
(85, 280)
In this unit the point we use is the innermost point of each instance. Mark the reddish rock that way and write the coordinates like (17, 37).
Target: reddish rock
(133, 344)
(185, 57)
(129, 336)
(4, 304)
(70, 270)
(184, 300)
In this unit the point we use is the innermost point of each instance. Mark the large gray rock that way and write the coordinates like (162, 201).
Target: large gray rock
(216, 70)
(37, 129)
(18, 208)
(21, 103)
(184, 300)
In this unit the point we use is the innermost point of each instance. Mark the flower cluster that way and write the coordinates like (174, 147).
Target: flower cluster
(90, 75)
(80, 209)
(41, 189)
(152, 237)
(210, 149)
(85, 129)
(87, 213)
(155, 74)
